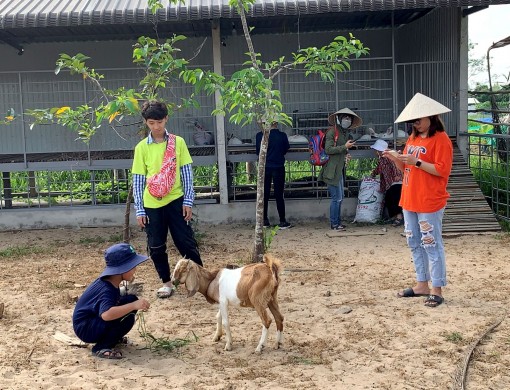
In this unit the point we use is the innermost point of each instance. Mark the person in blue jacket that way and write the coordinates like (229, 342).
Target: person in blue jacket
(277, 147)
(102, 316)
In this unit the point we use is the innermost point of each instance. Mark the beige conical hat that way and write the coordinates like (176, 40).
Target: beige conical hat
(356, 120)
(421, 106)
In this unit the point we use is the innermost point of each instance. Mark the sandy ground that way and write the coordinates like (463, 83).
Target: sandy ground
(344, 326)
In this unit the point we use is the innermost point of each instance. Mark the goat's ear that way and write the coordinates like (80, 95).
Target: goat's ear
(192, 279)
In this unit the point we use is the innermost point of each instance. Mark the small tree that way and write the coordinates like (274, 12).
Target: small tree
(249, 95)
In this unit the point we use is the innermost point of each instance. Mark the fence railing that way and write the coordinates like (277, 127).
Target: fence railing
(49, 188)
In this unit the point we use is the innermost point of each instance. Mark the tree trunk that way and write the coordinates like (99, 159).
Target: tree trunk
(258, 249)
(32, 193)
(6, 178)
(250, 171)
(126, 235)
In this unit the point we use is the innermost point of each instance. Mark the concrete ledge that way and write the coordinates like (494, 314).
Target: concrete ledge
(94, 216)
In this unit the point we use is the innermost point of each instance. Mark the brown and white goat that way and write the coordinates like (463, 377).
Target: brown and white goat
(254, 285)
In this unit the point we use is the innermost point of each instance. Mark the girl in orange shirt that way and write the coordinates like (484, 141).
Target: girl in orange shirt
(426, 163)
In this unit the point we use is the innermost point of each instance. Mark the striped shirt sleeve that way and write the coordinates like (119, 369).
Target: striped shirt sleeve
(187, 185)
(138, 188)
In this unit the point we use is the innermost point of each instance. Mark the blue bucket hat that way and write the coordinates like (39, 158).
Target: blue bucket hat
(121, 258)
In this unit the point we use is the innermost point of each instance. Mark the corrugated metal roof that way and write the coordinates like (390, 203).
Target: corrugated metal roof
(47, 13)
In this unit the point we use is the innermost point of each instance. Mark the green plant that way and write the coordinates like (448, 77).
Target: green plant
(92, 240)
(115, 237)
(100, 239)
(453, 337)
(162, 343)
(269, 234)
(19, 251)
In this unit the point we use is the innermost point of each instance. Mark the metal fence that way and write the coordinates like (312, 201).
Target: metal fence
(488, 159)
(43, 189)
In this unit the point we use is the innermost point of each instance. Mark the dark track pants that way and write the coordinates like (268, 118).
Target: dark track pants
(164, 219)
(113, 331)
(277, 177)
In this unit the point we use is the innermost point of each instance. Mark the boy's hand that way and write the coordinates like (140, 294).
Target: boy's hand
(142, 304)
(187, 213)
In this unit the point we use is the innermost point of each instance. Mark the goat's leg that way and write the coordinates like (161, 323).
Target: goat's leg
(275, 309)
(266, 322)
(226, 325)
(219, 327)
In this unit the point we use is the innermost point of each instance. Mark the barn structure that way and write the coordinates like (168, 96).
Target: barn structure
(415, 46)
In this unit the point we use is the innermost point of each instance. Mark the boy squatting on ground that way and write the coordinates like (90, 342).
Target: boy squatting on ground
(102, 315)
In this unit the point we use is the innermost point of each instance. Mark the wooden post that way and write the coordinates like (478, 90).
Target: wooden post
(32, 193)
(6, 180)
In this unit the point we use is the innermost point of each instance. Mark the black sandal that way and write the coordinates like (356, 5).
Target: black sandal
(433, 300)
(398, 222)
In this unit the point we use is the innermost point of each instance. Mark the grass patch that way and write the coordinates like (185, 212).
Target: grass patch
(162, 344)
(453, 337)
(305, 360)
(59, 285)
(20, 251)
(100, 239)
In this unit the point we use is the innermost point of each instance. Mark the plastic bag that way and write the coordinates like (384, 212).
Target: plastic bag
(370, 201)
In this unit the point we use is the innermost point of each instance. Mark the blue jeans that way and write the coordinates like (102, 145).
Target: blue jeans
(335, 208)
(424, 236)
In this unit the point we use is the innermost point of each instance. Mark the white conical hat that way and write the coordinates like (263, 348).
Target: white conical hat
(356, 120)
(421, 106)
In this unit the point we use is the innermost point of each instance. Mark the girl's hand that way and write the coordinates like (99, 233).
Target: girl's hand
(391, 154)
(349, 144)
(408, 159)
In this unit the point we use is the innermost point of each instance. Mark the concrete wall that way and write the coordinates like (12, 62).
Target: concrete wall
(88, 216)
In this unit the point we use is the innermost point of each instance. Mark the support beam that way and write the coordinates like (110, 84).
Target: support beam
(462, 118)
(220, 119)
(472, 10)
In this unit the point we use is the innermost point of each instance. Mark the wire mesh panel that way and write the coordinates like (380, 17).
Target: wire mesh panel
(488, 161)
(366, 89)
(12, 139)
(63, 188)
(429, 79)
(42, 189)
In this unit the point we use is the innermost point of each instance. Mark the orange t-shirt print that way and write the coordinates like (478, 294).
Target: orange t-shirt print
(421, 191)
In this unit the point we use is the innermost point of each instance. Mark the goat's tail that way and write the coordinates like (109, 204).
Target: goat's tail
(275, 265)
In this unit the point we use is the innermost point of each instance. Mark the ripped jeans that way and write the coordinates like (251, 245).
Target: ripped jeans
(424, 237)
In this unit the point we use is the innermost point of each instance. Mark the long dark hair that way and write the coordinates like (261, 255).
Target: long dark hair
(436, 124)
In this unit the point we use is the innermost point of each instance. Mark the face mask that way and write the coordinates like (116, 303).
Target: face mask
(345, 122)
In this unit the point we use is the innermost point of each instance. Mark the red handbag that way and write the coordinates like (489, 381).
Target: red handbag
(160, 184)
